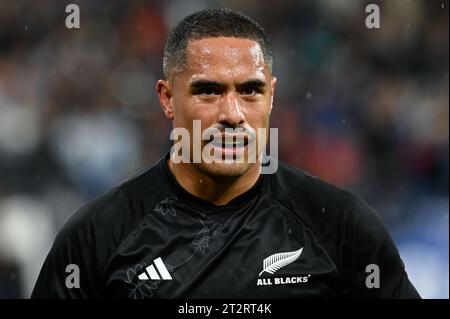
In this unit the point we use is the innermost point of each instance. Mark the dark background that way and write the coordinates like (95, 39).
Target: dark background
(365, 109)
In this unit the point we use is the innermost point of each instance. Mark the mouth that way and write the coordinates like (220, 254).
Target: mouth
(229, 141)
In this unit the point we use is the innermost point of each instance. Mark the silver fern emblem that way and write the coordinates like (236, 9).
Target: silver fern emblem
(277, 261)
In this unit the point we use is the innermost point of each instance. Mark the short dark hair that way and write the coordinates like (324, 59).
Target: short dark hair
(208, 23)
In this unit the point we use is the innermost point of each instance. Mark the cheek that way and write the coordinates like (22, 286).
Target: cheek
(257, 116)
(187, 110)
(182, 116)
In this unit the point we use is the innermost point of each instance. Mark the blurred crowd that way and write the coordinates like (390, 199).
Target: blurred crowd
(364, 109)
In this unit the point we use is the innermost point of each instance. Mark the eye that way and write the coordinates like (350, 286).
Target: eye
(249, 91)
(208, 91)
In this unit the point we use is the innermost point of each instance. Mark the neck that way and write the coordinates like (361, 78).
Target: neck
(217, 190)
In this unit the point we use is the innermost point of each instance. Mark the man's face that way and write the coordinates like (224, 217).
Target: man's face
(225, 84)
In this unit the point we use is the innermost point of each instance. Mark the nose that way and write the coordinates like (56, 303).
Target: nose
(231, 113)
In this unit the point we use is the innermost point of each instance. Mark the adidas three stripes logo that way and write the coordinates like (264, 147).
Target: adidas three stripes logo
(151, 273)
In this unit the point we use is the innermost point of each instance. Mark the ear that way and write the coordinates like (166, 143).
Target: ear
(164, 92)
(273, 83)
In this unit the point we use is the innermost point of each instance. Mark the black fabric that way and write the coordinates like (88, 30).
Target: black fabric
(218, 251)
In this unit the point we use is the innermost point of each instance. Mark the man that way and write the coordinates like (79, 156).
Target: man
(222, 229)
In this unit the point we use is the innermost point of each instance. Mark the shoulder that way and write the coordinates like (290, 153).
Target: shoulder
(293, 186)
(107, 219)
(320, 204)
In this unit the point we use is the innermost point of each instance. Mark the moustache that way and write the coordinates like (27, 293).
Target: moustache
(222, 132)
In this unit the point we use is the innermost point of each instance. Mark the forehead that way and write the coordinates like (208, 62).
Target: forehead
(225, 58)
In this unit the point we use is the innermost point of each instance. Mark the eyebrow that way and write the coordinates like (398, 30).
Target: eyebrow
(207, 83)
(254, 83)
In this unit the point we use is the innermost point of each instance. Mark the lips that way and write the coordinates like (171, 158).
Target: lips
(228, 141)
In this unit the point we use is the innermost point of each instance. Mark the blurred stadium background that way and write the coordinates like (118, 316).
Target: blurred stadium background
(364, 109)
